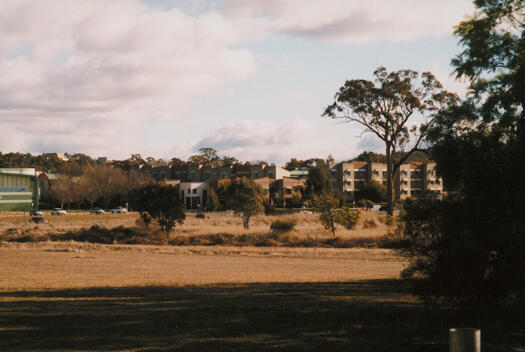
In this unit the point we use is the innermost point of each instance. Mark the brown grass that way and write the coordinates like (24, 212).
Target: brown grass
(221, 228)
(73, 264)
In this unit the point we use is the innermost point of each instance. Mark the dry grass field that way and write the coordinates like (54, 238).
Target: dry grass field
(218, 222)
(74, 265)
(86, 297)
(76, 296)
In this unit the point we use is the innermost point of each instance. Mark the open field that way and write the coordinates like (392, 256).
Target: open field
(76, 296)
(72, 296)
(308, 225)
(74, 265)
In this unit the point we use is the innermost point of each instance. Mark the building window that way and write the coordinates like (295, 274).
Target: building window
(195, 191)
(189, 191)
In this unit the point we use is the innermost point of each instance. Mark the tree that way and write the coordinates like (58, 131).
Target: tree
(245, 198)
(103, 182)
(318, 181)
(331, 214)
(215, 203)
(387, 108)
(296, 201)
(64, 190)
(327, 206)
(161, 203)
(372, 190)
(467, 246)
(209, 153)
(348, 217)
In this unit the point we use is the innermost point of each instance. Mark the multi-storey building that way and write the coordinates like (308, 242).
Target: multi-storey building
(199, 173)
(413, 178)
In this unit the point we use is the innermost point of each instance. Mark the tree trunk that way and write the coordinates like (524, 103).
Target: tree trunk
(389, 182)
(246, 221)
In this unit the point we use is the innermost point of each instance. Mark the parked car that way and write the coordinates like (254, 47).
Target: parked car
(38, 220)
(58, 211)
(97, 210)
(35, 212)
(119, 210)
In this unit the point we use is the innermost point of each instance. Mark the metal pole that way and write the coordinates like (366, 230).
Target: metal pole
(465, 340)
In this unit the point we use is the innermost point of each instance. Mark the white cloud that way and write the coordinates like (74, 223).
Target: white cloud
(251, 140)
(354, 21)
(88, 75)
(106, 67)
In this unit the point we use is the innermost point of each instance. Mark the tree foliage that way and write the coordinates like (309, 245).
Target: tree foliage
(295, 163)
(387, 108)
(467, 247)
(161, 203)
(318, 181)
(330, 212)
(214, 203)
(244, 197)
(372, 190)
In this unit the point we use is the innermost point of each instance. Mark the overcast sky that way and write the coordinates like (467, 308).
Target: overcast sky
(163, 78)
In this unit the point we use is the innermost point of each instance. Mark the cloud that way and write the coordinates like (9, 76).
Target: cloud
(251, 140)
(92, 75)
(89, 72)
(369, 142)
(351, 21)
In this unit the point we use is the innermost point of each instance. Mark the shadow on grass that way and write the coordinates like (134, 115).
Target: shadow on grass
(377, 315)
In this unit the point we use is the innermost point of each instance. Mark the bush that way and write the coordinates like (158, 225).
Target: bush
(369, 224)
(348, 217)
(365, 203)
(282, 226)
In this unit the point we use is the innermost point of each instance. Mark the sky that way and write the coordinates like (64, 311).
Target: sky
(163, 78)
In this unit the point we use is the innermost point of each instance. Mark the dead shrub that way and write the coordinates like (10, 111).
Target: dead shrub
(369, 224)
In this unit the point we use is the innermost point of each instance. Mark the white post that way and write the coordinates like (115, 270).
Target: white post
(465, 340)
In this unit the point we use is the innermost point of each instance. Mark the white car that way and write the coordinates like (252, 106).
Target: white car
(97, 211)
(119, 210)
(58, 211)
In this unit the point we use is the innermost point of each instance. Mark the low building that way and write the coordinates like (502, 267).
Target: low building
(194, 194)
(300, 173)
(276, 172)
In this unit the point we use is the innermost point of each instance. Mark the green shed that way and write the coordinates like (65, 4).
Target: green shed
(19, 190)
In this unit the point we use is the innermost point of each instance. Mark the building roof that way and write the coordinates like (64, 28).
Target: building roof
(359, 164)
(19, 171)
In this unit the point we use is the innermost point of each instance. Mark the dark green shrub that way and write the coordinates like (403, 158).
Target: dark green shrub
(282, 226)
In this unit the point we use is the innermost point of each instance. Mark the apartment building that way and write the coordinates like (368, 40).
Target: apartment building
(199, 173)
(413, 179)
(281, 190)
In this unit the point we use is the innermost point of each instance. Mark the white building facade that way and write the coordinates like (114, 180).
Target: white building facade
(194, 194)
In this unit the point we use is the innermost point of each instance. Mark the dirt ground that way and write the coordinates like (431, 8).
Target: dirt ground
(74, 265)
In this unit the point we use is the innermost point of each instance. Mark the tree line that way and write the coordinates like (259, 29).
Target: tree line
(100, 185)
